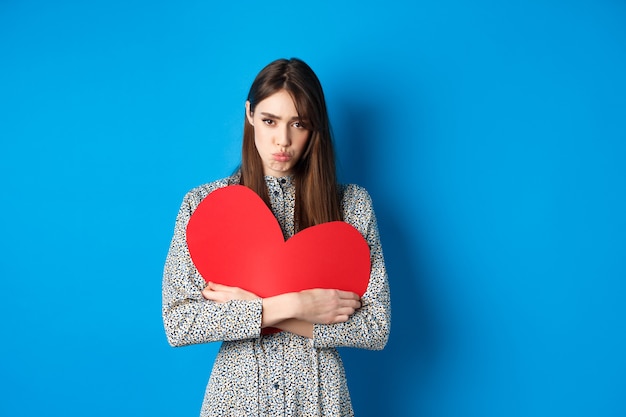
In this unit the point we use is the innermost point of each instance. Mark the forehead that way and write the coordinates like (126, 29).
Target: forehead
(279, 104)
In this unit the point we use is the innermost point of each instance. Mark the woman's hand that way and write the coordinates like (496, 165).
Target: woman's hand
(298, 312)
(222, 293)
(327, 306)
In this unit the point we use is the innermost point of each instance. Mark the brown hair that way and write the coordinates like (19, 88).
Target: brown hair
(317, 195)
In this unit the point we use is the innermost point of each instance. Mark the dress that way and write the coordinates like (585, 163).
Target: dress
(281, 374)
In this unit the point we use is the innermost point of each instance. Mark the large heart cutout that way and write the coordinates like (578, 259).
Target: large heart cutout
(234, 239)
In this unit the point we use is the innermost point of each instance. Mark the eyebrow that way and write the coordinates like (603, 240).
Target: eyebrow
(273, 116)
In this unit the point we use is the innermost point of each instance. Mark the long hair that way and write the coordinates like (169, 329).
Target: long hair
(317, 194)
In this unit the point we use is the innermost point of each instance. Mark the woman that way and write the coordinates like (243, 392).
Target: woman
(288, 160)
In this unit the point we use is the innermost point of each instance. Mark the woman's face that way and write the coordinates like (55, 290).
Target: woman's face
(279, 135)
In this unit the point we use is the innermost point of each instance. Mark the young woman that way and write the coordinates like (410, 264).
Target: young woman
(288, 160)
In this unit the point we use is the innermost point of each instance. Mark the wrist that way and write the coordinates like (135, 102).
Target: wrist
(279, 307)
(295, 305)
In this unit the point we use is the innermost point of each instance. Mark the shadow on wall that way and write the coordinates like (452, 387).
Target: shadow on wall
(390, 382)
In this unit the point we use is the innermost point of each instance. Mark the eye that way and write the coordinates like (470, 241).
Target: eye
(268, 122)
(298, 125)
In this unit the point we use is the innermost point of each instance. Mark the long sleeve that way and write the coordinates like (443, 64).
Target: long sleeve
(187, 317)
(368, 327)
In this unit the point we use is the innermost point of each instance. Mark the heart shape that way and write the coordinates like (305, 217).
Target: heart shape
(234, 239)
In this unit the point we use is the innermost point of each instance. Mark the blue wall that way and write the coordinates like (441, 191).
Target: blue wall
(490, 134)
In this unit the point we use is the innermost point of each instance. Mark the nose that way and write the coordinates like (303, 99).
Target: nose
(283, 137)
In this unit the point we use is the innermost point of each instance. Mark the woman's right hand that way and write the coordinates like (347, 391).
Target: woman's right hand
(298, 312)
(323, 306)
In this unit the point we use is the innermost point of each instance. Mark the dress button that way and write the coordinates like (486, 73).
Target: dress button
(276, 193)
(276, 386)
(283, 181)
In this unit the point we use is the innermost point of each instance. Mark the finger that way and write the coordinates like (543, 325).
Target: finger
(217, 296)
(219, 287)
(209, 294)
(206, 292)
(342, 318)
(346, 311)
(354, 304)
(348, 295)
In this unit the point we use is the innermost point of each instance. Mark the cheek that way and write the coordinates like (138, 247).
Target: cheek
(258, 144)
(259, 137)
(302, 140)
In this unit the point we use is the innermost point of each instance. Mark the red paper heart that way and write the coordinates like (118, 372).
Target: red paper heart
(234, 239)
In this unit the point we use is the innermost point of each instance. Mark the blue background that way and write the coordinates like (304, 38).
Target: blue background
(491, 136)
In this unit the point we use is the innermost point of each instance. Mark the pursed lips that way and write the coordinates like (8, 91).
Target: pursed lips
(281, 156)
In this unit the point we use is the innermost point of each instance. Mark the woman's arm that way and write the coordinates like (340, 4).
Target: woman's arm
(295, 326)
(188, 317)
(298, 312)
(295, 312)
(369, 326)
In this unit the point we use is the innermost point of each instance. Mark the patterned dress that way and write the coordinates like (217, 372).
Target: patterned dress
(279, 374)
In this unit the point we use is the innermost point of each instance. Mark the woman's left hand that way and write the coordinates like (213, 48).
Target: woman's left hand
(222, 293)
